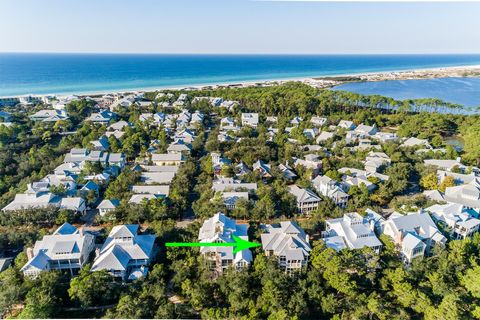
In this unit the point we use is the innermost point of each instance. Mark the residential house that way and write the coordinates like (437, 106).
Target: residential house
(68, 248)
(125, 253)
(75, 204)
(157, 177)
(351, 231)
(149, 192)
(296, 121)
(330, 188)
(101, 144)
(345, 124)
(289, 243)
(49, 115)
(375, 160)
(119, 126)
(385, 137)
(307, 200)
(446, 165)
(310, 133)
(230, 184)
(324, 136)
(467, 195)
(230, 198)
(250, 119)
(415, 142)
(318, 121)
(102, 117)
(33, 198)
(462, 222)
(365, 131)
(107, 205)
(287, 172)
(311, 161)
(222, 229)
(227, 123)
(179, 147)
(262, 168)
(170, 159)
(185, 135)
(414, 234)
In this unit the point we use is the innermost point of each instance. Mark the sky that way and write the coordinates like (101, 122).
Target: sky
(238, 26)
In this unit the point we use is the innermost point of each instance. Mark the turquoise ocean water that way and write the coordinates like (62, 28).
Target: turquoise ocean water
(86, 73)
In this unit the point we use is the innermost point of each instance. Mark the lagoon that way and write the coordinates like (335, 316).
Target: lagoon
(463, 91)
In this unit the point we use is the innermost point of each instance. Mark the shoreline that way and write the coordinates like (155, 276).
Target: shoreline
(321, 82)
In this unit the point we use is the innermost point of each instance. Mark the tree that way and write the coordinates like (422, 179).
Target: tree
(12, 290)
(448, 181)
(471, 137)
(45, 296)
(430, 181)
(471, 281)
(93, 288)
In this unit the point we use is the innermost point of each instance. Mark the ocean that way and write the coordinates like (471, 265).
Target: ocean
(22, 73)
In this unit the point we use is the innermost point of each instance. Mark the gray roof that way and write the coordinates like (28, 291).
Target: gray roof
(117, 251)
(287, 239)
(108, 204)
(420, 224)
(303, 195)
(167, 157)
(157, 177)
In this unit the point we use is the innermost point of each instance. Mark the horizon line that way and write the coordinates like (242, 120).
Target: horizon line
(240, 53)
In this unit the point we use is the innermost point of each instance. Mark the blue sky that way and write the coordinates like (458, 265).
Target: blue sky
(237, 26)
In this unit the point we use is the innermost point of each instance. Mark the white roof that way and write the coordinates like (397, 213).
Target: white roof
(66, 243)
(220, 228)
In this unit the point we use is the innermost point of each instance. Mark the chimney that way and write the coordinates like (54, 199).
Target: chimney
(97, 252)
(29, 253)
(399, 236)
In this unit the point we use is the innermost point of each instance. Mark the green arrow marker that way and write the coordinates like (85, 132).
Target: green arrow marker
(239, 244)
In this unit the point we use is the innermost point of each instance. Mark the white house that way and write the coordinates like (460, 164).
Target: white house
(352, 231)
(102, 117)
(107, 205)
(415, 142)
(220, 228)
(461, 221)
(467, 195)
(414, 234)
(289, 243)
(49, 115)
(324, 136)
(262, 168)
(375, 160)
(170, 159)
(250, 119)
(125, 254)
(365, 131)
(318, 121)
(345, 124)
(330, 188)
(307, 200)
(67, 248)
